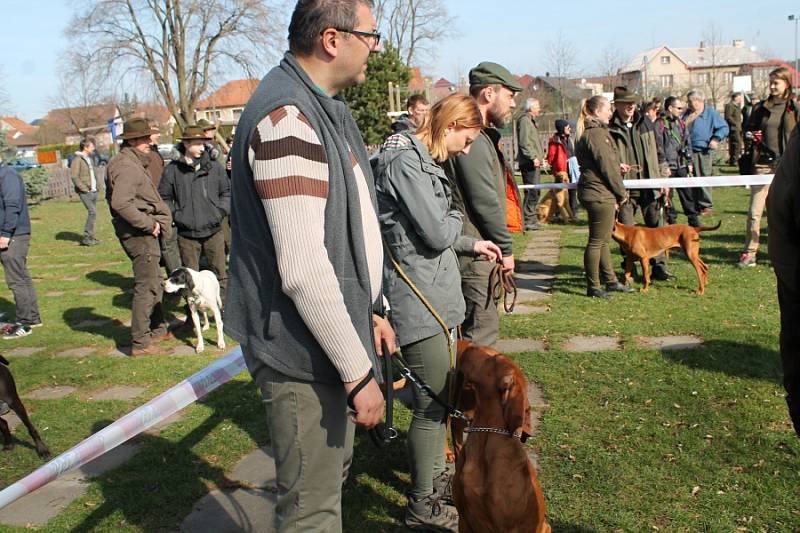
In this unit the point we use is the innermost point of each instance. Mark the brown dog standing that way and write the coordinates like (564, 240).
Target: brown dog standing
(495, 487)
(556, 200)
(8, 394)
(643, 243)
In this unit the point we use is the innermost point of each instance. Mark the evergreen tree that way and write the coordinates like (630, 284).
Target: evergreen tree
(369, 102)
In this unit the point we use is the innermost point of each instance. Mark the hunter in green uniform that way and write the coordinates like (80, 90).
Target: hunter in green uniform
(479, 193)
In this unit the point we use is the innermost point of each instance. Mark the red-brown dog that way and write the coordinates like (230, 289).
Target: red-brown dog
(642, 243)
(495, 487)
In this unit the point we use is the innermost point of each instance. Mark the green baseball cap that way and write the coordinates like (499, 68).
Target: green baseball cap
(488, 73)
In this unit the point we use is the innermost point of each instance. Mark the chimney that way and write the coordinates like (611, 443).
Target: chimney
(702, 45)
(738, 43)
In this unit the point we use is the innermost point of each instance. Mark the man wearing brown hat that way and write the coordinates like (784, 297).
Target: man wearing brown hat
(139, 216)
(198, 192)
(480, 194)
(638, 153)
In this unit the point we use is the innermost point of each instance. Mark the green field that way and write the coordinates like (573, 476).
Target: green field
(632, 440)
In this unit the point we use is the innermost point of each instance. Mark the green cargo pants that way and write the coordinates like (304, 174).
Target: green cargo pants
(481, 324)
(312, 439)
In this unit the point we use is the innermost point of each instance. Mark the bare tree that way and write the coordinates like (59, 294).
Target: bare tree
(414, 27)
(711, 48)
(612, 59)
(80, 87)
(178, 46)
(560, 59)
(5, 100)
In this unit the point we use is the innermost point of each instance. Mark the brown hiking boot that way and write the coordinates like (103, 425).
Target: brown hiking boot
(152, 349)
(430, 514)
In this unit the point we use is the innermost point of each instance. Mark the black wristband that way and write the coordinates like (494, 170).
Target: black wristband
(361, 384)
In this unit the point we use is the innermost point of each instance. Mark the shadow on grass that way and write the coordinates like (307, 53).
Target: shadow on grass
(110, 279)
(750, 361)
(373, 476)
(86, 320)
(157, 488)
(70, 236)
(7, 310)
(564, 527)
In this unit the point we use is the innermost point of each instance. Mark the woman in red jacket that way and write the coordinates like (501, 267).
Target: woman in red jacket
(560, 149)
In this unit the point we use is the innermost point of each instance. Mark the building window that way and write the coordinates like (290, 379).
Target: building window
(666, 80)
(728, 77)
(703, 78)
(237, 113)
(665, 60)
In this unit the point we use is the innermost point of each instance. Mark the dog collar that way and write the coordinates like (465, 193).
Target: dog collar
(499, 431)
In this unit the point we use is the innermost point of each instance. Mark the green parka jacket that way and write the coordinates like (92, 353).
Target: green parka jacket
(598, 157)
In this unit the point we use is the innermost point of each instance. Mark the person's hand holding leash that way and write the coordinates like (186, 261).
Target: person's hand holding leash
(383, 332)
(508, 262)
(156, 230)
(489, 250)
(365, 399)
(4, 242)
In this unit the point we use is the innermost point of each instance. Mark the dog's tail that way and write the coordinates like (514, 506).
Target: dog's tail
(4, 360)
(709, 228)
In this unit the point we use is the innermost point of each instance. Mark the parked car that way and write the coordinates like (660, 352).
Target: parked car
(21, 164)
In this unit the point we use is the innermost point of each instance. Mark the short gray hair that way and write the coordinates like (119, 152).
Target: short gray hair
(529, 103)
(311, 17)
(696, 94)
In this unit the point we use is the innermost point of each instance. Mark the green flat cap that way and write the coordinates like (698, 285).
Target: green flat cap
(488, 73)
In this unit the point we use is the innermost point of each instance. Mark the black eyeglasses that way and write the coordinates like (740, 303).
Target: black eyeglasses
(365, 34)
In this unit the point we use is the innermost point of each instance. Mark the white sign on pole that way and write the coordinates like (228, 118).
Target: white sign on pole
(742, 84)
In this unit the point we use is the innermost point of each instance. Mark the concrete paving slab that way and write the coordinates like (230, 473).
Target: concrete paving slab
(257, 469)
(13, 420)
(50, 393)
(120, 351)
(38, 507)
(532, 296)
(519, 345)
(232, 511)
(522, 309)
(119, 392)
(76, 352)
(106, 462)
(186, 350)
(671, 342)
(158, 428)
(591, 344)
(95, 292)
(93, 323)
(23, 352)
(70, 278)
(581, 231)
(54, 294)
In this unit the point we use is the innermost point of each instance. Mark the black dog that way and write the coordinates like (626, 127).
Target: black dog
(10, 399)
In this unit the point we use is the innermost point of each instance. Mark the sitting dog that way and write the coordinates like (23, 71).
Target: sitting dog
(201, 290)
(495, 487)
(9, 399)
(642, 243)
(556, 200)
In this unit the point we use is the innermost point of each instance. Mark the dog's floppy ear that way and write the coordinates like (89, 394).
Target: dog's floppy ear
(514, 399)
(188, 280)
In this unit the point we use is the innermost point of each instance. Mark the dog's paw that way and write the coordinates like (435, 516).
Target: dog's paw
(199, 348)
(206, 327)
(43, 453)
(221, 345)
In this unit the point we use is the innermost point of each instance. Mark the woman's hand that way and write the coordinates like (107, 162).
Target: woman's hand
(488, 250)
(624, 168)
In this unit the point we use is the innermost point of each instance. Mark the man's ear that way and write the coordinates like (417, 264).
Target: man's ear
(331, 40)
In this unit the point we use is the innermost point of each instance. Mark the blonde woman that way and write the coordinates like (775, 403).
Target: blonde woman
(423, 234)
(768, 129)
(600, 191)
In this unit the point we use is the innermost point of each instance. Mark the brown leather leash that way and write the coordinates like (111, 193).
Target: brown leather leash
(502, 279)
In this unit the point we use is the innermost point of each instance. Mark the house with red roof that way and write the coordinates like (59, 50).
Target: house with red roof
(19, 134)
(225, 105)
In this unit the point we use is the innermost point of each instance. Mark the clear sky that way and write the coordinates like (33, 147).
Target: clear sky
(512, 32)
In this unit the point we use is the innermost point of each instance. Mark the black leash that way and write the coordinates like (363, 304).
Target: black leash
(420, 384)
(385, 433)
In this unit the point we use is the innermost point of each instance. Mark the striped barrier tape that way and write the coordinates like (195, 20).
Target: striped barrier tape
(672, 183)
(140, 419)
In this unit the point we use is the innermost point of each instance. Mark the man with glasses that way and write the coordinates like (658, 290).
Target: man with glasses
(678, 153)
(304, 288)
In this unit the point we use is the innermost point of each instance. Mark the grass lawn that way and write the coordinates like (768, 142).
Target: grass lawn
(633, 440)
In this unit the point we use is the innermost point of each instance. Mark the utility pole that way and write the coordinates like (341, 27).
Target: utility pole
(795, 18)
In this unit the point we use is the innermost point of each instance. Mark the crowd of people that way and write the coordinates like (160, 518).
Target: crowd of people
(328, 258)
